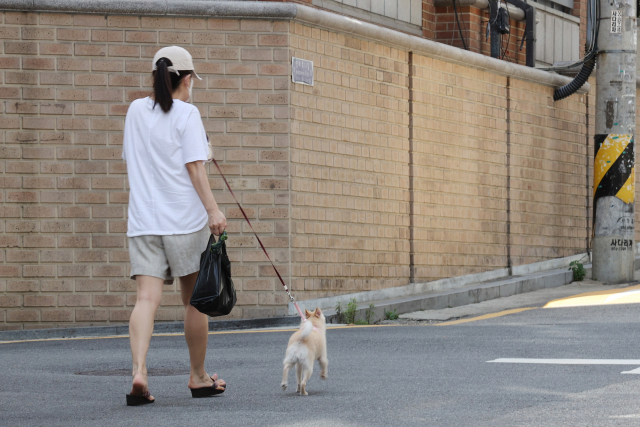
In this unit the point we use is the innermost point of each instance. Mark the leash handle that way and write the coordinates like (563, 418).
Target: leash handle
(259, 241)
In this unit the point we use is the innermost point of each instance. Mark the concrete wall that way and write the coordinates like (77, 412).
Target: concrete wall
(393, 167)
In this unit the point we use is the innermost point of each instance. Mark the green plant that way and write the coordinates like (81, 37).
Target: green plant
(369, 313)
(339, 313)
(350, 312)
(391, 315)
(578, 271)
(361, 322)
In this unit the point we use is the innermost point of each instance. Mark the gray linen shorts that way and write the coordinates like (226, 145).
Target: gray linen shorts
(167, 257)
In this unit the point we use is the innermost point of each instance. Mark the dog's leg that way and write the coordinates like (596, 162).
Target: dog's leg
(298, 376)
(307, 370)
(324, 369)
(285, 374)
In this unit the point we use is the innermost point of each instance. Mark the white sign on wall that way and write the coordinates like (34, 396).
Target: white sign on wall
(302, 71)
(616, 21)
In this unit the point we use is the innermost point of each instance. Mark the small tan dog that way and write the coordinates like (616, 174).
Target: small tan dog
(305, 347)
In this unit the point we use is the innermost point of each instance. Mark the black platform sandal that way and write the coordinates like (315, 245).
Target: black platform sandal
(208, 391)
(139, 399)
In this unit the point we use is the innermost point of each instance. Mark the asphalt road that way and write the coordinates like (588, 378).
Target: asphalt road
(378, 376)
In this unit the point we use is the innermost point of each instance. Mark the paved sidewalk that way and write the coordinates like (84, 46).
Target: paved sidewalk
(531, 299)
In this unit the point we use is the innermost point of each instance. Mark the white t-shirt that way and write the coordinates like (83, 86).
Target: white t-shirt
(156, 147)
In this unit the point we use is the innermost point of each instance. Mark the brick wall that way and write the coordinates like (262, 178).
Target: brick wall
(67, 81)
(435, 167)
(392, 167)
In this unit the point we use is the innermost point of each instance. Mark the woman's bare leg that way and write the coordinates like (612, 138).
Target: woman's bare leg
(141, 328)
(196, 332)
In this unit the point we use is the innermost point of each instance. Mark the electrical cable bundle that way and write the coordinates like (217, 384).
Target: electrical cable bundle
(589, 61)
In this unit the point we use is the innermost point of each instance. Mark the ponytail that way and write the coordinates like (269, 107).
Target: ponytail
(165, 83)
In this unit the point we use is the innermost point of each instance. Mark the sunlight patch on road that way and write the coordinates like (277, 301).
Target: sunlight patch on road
(628, 295)
(486, 316)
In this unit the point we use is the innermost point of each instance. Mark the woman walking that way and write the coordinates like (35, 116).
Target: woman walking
(172, 213)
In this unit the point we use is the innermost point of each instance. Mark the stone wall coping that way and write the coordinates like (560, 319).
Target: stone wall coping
(299, 13)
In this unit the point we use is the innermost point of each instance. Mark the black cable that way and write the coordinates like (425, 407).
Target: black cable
(506, 49)
(455, 9)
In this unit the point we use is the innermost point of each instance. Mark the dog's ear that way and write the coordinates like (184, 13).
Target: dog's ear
(317, 313)
(307, 313)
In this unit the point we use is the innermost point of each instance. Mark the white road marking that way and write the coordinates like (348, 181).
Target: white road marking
(570, 361)
(575, 362)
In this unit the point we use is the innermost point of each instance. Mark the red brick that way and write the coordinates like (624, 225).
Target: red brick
(123, 21)
(73, 34)
(37, 93)
(124, 50)
(39, 241)
(21, 48)
(39, 271)
(116, 95)
(65, 64)
(141, 36)
(73, 242)
(18, 107)
(38, 123)
(90, 21)
(10, 301)
(38, 63)
(55, 19)
(39, 300)
(91, 285)
(58, 255)
(57, 315)
(56, 108)
(75, 212)
(107, 35)
(111, 65)
(108, 241)
(21, 18)
(35, 33)
(38, 182)
(20, 256)
(56, 167)
(22, 316)
(22, 196)
(56, 48)
(74, 270)
(108, 300)
(73, 94)
(56, 227)
(73, 300)
(8, 62)
(92, 256)
(90, 49)
(56, 286)
(91, 315)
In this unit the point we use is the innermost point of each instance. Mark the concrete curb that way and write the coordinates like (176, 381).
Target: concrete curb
(436, 285)
(303, 14)
(466, 295)
(160, 328)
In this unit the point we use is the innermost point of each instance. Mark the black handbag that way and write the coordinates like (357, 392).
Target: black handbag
(214, 293)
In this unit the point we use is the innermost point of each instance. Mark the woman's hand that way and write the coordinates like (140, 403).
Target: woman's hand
(217, 222)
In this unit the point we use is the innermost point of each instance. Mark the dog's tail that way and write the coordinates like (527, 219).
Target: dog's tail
(307, 327)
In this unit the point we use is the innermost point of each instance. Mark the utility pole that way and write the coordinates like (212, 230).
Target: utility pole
(614, 178)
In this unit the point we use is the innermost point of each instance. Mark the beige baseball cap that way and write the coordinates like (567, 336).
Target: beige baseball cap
(179, 57)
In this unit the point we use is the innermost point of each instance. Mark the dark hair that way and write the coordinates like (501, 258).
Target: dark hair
(165, 83)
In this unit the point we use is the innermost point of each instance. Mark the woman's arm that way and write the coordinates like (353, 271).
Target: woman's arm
(217, 220)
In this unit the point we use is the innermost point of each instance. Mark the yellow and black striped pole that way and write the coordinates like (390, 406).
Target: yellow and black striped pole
(613, 208)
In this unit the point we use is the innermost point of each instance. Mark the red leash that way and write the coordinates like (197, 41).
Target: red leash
(259, 241)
